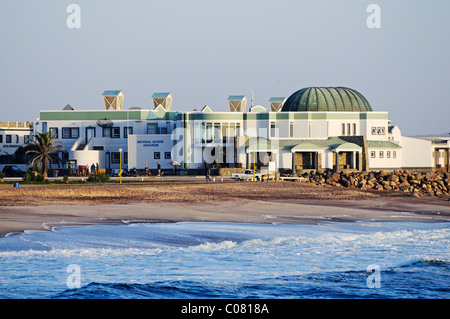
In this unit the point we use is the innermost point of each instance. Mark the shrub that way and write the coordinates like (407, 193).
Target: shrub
(33, 174)
(65, 179)
(99, 178)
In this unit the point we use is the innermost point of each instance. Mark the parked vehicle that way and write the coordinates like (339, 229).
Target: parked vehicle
(12, 171)
(247, 175)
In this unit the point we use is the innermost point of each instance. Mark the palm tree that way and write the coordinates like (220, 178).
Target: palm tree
(44, 149)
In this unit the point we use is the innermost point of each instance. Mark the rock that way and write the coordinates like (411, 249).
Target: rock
(393, 178)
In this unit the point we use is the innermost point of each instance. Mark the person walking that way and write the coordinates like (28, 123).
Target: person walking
(159, 169)
(208, 174)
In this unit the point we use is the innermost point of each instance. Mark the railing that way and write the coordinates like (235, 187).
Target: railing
(9, 124)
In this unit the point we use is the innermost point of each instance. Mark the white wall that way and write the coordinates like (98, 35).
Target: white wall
(142, 149)
(391, 159)
(416, 153)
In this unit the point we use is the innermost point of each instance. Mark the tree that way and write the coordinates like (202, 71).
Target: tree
(44, 148)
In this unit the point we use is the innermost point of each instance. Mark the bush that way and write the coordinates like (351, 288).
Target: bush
(65, 179)
(99, 178)
(33, 174)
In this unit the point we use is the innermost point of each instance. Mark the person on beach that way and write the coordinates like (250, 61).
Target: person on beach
(208, 174)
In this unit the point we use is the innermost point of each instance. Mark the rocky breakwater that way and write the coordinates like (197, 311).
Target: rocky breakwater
(414, 183)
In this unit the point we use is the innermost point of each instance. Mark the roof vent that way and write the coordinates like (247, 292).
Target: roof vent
(276, 103)
(164, 99)
(237, 103)
(113, 99)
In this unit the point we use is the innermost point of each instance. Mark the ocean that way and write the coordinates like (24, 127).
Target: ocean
(203, 260)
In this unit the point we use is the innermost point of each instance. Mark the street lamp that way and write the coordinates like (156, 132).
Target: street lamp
(120, 169)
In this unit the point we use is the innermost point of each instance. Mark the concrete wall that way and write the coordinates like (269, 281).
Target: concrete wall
(416, 153)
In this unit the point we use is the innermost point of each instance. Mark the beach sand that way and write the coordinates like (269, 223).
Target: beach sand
(45, 206)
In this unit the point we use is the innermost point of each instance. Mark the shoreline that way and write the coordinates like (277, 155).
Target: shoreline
(19, 219)
(42, 208)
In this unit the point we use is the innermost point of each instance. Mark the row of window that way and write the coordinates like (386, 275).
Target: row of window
(10, 138)
(217, 132)
(378, 130)
(373, 154)
(108, 132)
(346, 129)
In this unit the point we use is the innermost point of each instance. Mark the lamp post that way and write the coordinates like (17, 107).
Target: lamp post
(120, 169)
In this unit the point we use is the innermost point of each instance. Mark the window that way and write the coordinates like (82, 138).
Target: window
(348, 129)
(125, 157)
(372, 154)
(381, 154)
(388, 154)
(1, 138)
(53, 132)
(8, 139)
(167, 155)
(272, 129)
(291, 129)
(17, 139)
(152, 128)
(157, 155)
(209, 132)
(343, 129)
(197, 133)
(394, 154)
(127, 130)
(115, 132)
(115, 157)
(383, 131)
(217, 131)
(374, 131)
(354, 128)
(106, 132)
(75, 132)
(378, 130)
(70, 132)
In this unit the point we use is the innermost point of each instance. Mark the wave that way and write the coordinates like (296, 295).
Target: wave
(395, 283)
(83, 252)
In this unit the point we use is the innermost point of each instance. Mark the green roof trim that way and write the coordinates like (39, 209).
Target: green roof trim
(381, 144)
(108, 114)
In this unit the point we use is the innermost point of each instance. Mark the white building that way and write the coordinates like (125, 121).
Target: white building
(13, 135)
(315, 128)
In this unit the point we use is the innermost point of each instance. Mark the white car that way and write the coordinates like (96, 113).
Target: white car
(246, 175)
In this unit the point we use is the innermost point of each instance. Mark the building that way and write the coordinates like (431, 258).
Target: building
(13, 136)
(315, 128)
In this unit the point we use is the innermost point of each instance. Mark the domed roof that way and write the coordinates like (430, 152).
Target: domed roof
(326, 99)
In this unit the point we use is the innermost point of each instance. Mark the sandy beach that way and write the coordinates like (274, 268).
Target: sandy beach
(41, 207)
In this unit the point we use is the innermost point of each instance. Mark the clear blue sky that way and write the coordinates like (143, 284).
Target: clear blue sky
(203, 51)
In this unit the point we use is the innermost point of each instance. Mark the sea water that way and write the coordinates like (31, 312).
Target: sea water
(229, 260)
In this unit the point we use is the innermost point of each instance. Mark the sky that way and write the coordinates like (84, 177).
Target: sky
(202, 51)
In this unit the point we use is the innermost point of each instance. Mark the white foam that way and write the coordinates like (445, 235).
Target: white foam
(227, 244)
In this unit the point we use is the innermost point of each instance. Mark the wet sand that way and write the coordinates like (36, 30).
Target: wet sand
(45, 206)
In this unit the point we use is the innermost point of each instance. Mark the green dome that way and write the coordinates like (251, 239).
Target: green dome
(326, 99)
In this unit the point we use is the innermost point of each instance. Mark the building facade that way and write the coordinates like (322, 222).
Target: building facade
(314, 128)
